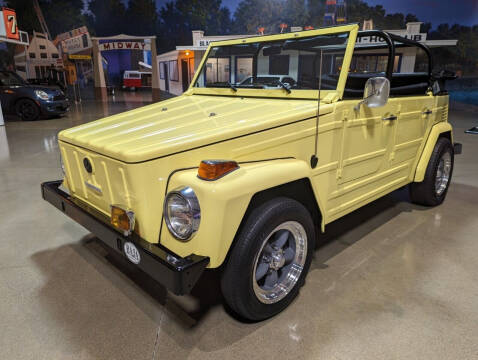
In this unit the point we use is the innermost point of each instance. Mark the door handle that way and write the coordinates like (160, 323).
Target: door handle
(391, 117)
(427, 112)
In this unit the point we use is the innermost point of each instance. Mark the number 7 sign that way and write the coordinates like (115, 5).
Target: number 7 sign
(11, 27)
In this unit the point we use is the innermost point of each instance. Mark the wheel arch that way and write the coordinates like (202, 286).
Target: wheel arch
(440, 130)
(300, 190)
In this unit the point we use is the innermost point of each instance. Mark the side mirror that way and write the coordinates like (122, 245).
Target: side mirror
(376, 92)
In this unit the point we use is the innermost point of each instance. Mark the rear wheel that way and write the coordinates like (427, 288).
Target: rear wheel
(269, 260)
(27, 110)
(434, 187)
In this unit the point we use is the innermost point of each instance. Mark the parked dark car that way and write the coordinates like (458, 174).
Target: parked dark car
(29, 101)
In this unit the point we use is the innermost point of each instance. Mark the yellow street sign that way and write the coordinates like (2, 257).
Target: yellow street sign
(79, 57)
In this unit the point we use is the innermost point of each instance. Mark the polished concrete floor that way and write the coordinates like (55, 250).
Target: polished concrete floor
(391, 281)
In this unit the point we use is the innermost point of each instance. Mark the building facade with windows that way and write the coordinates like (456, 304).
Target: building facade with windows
(36, 60)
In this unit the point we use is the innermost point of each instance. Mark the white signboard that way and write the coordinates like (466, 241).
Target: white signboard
(374, 39)
(125, 45)
(76, 43)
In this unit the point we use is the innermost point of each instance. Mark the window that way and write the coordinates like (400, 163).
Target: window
(32, 55)
(161, 70)
(8, 78)
(54, 56)
(372, 63)
(43, 55)
(279, 65)
(421, 61)
(173, 70)
(218, 70)
(84, 40)
(42, 47)
(243, 68)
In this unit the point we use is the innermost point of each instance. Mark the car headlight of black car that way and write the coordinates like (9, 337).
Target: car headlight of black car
(42, 94)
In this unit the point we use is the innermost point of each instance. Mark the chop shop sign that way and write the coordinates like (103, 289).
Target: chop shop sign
(124, 45)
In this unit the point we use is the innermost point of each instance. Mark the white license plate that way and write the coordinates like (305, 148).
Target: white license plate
(131, 252)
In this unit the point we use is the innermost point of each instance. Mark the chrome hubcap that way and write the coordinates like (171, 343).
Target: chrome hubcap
(280, 262)
(443, 173)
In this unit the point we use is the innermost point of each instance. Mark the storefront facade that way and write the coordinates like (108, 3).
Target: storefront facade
(177, 67)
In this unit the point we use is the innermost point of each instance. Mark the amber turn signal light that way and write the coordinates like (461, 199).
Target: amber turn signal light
(214, 169)
(122, 219)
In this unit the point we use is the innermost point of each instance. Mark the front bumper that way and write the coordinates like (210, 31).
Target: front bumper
(177, 274)
(54, 107)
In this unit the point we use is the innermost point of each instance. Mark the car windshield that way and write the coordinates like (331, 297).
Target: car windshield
(8, 78)
(268, 64)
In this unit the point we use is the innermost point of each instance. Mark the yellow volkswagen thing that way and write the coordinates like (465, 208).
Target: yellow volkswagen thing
(276, 137)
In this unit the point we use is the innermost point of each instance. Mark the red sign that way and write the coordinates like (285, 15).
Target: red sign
(11, 26)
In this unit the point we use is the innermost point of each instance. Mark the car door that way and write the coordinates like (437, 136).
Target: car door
(416, 115)
(368, 135)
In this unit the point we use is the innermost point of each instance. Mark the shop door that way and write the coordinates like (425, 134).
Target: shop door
(185, 74)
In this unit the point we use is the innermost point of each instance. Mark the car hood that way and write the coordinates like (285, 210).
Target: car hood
(47, 88)
(184, 123)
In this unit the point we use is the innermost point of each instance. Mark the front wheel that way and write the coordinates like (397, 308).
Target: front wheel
(269, 260)
(434, 187)
(27, 110)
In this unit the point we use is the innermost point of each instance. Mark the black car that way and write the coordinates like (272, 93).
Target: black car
(29, 101)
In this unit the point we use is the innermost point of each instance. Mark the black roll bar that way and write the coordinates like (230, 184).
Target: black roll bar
(390, 39)
(418, 44)
(391, 48)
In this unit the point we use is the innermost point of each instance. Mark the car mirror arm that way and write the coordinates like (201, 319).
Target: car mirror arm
(363, 101)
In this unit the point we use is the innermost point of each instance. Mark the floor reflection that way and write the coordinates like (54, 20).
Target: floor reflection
(4, 151)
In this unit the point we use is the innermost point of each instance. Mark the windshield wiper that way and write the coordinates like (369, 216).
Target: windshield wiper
(232, 86)
(285, 87)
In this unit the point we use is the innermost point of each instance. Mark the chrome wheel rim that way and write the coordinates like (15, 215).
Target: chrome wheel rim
(280, 261)
(443, 173)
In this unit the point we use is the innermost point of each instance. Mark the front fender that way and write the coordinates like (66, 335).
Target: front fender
(224, 202)
(435, 132)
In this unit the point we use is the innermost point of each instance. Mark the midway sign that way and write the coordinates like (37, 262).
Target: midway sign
(124, 45)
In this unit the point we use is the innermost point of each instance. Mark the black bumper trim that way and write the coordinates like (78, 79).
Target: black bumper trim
(177, 274)
(457, 147)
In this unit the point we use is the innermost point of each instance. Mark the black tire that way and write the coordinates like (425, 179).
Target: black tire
(27, 110)
(238, 281)
(426, 192)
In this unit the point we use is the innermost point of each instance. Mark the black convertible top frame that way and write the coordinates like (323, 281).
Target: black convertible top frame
(390, 40)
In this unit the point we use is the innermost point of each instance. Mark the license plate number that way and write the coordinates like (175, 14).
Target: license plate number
(131, 252)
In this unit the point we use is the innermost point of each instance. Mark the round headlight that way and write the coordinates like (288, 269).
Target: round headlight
(42, 94)
(182, 213)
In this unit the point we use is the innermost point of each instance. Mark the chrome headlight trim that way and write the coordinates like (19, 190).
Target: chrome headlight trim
(42, 94)
(194, 212)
